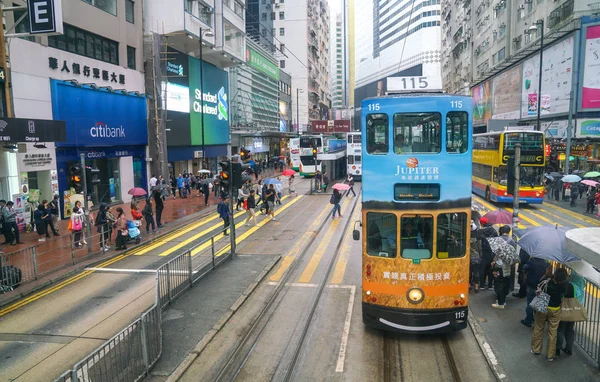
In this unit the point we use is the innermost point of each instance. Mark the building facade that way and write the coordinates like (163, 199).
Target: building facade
(259, 21)
(301, 28)
(337, 78)
(190, 47)
(90, 77)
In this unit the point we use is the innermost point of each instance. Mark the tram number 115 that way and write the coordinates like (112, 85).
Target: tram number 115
(460, 314)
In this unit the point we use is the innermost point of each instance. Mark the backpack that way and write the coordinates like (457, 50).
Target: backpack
(332, 199)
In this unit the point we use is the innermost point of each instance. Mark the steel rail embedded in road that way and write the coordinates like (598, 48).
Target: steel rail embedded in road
(237, 359)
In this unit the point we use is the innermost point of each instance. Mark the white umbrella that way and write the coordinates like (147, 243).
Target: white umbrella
(203, 171)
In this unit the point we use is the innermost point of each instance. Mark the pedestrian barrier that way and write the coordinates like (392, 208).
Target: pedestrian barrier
(129, 355)
(17, 268)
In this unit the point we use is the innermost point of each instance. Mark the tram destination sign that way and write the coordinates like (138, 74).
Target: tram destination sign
(410, 191)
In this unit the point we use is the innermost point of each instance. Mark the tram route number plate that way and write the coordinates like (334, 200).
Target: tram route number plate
(460, 314)
(400, 84)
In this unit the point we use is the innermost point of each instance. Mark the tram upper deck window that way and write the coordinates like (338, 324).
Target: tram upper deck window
(416, 236)
(381, 234)
(417, 133)
(457, 132)
(377, 134)
(451, 235)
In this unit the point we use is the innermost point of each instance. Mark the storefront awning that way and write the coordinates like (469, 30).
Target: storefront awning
(15, 130)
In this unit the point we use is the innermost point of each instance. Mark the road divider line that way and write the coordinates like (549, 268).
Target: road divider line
(299, 245)
(342, 261)
(344, 344)
(314, 261)
(250, 231)
(560, 217)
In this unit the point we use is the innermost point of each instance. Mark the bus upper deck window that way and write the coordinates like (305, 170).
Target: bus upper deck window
(417, 133)
(457, 132)
(377, 134)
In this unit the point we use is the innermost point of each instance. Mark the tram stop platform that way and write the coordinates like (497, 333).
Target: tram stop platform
(507, 343)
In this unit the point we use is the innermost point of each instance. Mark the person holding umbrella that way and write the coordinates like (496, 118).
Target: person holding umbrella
(335, 200)
(501, 272)
(487, 256)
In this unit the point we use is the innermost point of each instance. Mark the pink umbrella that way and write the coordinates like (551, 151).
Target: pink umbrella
(341, 187)
(288, 172)
(137, 191)
(588, 182)
(499, 217)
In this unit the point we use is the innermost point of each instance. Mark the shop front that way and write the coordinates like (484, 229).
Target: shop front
(258, 146)
(180, 162)
(109, 130)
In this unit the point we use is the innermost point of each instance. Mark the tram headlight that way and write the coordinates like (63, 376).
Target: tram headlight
(415, 295)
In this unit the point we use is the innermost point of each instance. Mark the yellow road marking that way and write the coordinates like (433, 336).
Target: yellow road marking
(342, 262)
(249, 232)
(562, 218)
(522, 216)
(575, 215)
(289, 259)
(542, 218)
(312, 265)
(493, 208)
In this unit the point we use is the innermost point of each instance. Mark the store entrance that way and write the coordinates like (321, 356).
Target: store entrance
(108, 190)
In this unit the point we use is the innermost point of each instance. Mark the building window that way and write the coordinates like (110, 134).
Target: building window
(263, 32)
(281, 15)
(501, 54)
(282, 64)
(23, 26)
(238, 9)
(282, 31)
(272, 15)
(109, 6)
(129, 9)
(282, 48)
(131, 57)
(234, 39)
(87, 44)
(263, 17)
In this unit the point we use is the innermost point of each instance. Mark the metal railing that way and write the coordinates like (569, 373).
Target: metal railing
(129, 355)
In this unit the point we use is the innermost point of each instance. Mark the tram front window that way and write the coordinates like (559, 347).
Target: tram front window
(451, 235)
(417, 133)
(377, 133)
(381, 234)
(416, 240)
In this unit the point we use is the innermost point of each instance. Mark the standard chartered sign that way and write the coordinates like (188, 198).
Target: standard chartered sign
(214, 104)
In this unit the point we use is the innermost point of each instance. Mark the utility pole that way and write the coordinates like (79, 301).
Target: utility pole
(516, 189)
(88, 228)
(231, 213)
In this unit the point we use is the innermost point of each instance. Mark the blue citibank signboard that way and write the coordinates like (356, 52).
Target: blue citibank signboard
(97, 118)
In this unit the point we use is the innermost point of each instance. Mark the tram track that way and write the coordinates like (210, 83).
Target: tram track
(244, 348)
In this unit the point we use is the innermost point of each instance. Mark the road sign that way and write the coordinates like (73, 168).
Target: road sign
(45, 16)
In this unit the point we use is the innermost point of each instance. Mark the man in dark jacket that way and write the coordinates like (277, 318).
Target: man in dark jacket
(534, 271)
(487, 256)
(574, 194)
(223, 210)
(102, 227)
(523, 259)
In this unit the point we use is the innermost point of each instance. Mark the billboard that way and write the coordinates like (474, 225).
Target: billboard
(260, 62)
(506, 100)
(482, 103)
(557, 74)
(187, 101)
(588, 128)
(331, 126)
(590, 93)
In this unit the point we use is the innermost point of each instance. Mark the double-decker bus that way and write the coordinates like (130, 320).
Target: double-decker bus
(416, 212)
(491, 152)
(295, 153)
(354, 154)
(309, 165)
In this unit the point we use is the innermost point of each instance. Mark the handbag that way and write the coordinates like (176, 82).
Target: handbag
(541, 300)
(76, 225)
(70, 226)
(572, 310)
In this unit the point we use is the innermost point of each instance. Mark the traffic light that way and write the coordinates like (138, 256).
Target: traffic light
(225, 173)
(510, 175)
(554, 160)
(314, 152)
(92, 176)
(76, 180)
(238, 178)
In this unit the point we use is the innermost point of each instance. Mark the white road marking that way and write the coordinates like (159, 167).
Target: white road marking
(122, 270)
(342, 355)
(306, 285)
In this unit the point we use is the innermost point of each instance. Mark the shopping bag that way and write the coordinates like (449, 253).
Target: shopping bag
(70, 226)
(572, 310)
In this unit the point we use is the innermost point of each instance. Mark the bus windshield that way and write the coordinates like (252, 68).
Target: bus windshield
(530, 176)
(308, 142)
(417, 133)
(530, 141)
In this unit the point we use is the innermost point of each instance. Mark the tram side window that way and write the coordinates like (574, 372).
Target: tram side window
(377, 134)
(451, 235)
(417, 133)
(350, 159)
(381, 234)
(457, 132)
(357, 159)
(416, 236)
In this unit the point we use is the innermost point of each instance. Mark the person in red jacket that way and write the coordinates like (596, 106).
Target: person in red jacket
(598, 202)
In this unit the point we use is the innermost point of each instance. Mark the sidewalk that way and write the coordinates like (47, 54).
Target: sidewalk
(510, 342)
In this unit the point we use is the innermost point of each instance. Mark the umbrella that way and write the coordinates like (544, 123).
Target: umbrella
(503, 250)
(571, 178)
(341, 187)
(499, 217)
(288, 172)
(547, 243)
(556, 174)
(203, 171)
(137, 191)
(206, 181)
(549, 177)
(592, 174)
(577, 172)
(271, 181)
(586, 270)
(588, 182)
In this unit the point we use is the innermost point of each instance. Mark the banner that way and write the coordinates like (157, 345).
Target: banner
(331, 126)
(506, 100)
(588, 128)
(482, 103)
(590, 96)
(557, 73)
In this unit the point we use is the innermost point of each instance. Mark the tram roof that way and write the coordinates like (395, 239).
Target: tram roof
(421, 93)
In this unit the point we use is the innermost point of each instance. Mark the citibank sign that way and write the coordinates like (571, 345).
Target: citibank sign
(102, 130)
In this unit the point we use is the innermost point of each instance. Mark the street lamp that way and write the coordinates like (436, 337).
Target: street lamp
(298, 91)
(539, 24)
(209, 34)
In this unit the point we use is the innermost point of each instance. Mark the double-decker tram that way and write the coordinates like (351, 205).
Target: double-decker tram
(416, 212)
(309, 164)
(491, 152)
(354, 154)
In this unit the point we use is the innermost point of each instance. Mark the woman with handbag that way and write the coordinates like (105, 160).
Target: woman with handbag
(122, 231)
(77, 218)
(572, 311)
(554, 288)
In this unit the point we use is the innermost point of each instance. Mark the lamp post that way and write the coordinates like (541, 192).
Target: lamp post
(207, 33)
(298, 91)
(539, 24)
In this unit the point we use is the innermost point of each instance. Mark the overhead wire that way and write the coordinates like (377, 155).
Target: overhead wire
(412, 7)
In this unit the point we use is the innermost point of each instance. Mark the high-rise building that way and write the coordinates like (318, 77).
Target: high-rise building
(394, 38)
(259, 21)
(337, 71)
(301, 28)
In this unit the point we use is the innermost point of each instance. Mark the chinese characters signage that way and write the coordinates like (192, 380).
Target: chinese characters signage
(259, 62)
(331, 126)
(77, 69)
(417, 276)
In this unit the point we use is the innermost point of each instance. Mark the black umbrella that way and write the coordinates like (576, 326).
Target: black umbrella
(556, 174)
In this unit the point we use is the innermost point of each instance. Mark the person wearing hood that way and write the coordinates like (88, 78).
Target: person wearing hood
(487, 256)
(101, 224)
(475, 264)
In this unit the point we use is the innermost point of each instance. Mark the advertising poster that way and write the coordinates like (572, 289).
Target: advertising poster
(68, 206)
(54, 182)
(555, 129)
(588, 128)
(20, 208)
(557, 73)
(506, 101)
(482, 103)
(590, 96)
(111, 188)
